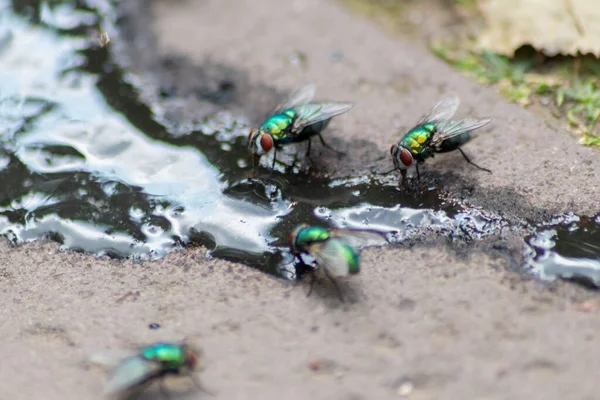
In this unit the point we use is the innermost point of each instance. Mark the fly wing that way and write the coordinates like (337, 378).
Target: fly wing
(300, 97)
(109, 358)
(359, 238)
(131, 372)
(312, 113)
(330, 256)
(449, 129)
(442, 111)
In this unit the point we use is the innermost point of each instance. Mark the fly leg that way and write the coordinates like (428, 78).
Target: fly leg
(255, 159)
(418, 177)
(163, 390)
(307, 155)
(335, 284)
(136, 393)
(274, 158)
(329, 147)
(313, 278)
(471, 162)
(308, 149)
(199, 385)
(403, 177)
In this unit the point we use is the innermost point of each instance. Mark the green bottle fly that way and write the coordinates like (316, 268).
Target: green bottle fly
(336, 251)
(152, 363)
(296, 120)
(330, 249)
(435, 133)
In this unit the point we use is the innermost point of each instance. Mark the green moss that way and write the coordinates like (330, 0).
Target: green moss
(377, 8)
(591, 140)
(466, 3)
(573, 83)
(390, 14)
(488, 68)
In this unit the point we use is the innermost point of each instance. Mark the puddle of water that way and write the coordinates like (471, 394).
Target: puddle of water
(568, 248)
(81, 171)
(84, 162)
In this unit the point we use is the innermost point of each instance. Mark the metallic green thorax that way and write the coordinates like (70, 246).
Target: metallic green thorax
(172, 355)
(352, 259)
(417, 139)
(305, 235)
(277, 126)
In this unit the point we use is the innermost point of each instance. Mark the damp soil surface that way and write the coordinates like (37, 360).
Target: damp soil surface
(127, 167)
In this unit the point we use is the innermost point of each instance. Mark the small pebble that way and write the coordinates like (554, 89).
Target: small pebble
(587, 306)
(103, 39)
(314, 365)
(336, 56)
(405, 389)
(297, 58)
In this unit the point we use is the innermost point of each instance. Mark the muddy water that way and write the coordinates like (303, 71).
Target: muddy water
(85, 163)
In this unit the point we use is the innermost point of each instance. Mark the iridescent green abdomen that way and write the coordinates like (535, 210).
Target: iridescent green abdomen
(278, 124)
(171, 355)
(351, 257)
(417, 138)
(306, 235)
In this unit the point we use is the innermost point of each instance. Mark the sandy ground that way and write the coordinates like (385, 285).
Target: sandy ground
(455, 327)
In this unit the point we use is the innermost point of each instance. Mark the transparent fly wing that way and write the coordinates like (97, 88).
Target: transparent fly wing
(309, 114)
(449, 129)
(300, 97)
(442, 111)
(330, 256)
(109, 358)
(359, 238)
(131, 372)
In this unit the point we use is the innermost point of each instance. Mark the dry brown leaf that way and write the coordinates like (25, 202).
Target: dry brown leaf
(551, 26)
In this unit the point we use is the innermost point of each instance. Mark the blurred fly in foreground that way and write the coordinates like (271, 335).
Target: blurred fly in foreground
(295, 121)
(334, 250)
(435, 133)
(152, 363)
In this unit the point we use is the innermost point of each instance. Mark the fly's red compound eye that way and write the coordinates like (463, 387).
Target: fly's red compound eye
(191, 359)
(266, 142)
(392, 149)
(406, 157)
(251, 134)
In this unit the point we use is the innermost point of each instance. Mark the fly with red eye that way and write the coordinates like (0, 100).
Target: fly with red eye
(266, 142)
(435, 132)
(297, 120)
(191, 359)
(153, 362)
(406, 157)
